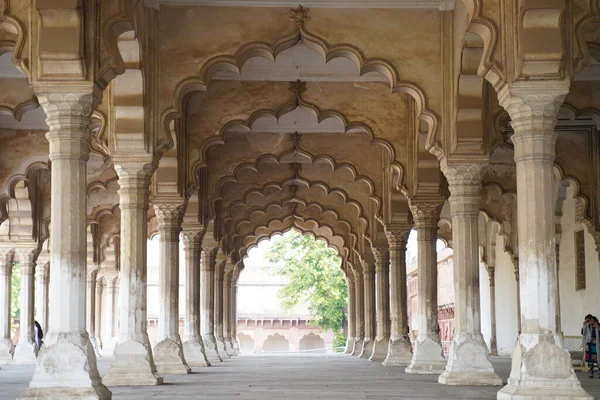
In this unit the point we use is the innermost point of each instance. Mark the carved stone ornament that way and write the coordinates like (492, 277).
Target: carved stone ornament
(426, 214)
(299, 15)
(397, 239)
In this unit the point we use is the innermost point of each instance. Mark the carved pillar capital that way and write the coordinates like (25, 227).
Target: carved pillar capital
(382, 257)
(207, 258)
(169, 218)
(397, 239)
(426, 216)
(27, 259)
(464, 180)
(134, 181)
(191, 237)
(42, 271)
(492, 275)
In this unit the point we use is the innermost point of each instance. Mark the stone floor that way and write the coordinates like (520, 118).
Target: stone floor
(291, 377)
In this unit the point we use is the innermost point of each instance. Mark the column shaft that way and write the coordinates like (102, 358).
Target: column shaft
(493, 343)
(207, 303)
(428, 357)
(68, 118)
(25, 351)
(359, 304)
(133, 362)
(400, 348)
(41, 296)
(168, 352)
(382, 291)
(234, 287)
(218, 309)
(351, 316)
(369, 310)
(91, 310)
(541, 367)
(227, 312)
(6, 345)
(98, 313)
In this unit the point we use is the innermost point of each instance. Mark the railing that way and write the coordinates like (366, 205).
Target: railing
(574, 345)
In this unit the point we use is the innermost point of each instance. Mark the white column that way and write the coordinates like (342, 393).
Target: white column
(133, 362)
(42, 272)
(400, 349)
(193, 346)
(109, 317)
(66, 366)
(227, 311)
(382, 289)
(541, 367)
(493, 343)
(369, 309)
(351, 314)
(6, 345)
(428, 357)
(234, 320)
(468, 361)
(359, 305)
(98, 313)
(207, 303)
(218, 309)
(25, 351)
(168, 352)
(91, 310)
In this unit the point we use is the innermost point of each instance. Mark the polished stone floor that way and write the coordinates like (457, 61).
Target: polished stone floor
(291, 377)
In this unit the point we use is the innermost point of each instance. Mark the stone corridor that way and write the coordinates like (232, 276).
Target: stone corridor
(291, 377)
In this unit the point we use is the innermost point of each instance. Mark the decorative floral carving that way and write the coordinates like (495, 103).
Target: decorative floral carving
(426, 215)
(299, 15)
(169, 218)
(463, 174)
(397, 239)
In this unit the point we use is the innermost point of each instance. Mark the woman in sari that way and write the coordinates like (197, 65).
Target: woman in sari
(591, 336)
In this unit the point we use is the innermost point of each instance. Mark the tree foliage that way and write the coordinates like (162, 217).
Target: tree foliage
(315, 278)
(15, 304)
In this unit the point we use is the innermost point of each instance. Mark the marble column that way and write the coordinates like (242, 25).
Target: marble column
(66, 366)
(218, 309)
(226, 311)
(109, 335)
(428, 356)
(133, 363)
(234, 289)
(207, 304)
(42, 272)
(359, 305)
(193, 346)
(98, 313)
(468, 360)
(400, 348)
(25, 350)
(91, 310)
(382, 289)
(6, 344)
(369, 309)
(168, 352)
(493, 343)
(351, 316)
(541, 367)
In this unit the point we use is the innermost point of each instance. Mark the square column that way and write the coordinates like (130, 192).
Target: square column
(233, 316)
(428, 356)
(6, 344)
(66, 366)
(359, 304)
(42, 272)
(226, 312)
(98, 313)
(369, 310)
(207, 303)
(218, 297)
(109, 318)
(382, 289)
(351, 315)
(133, 363)
(91, 310)
(193, 346)
(168, 352)
(400, 348)
(26, 350)
(468, 361)
(541, 367)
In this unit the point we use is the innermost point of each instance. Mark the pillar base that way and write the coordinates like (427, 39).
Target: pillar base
(222, 349)
(210, 348)
(66, 369)
(380, 350)
(95, 346)
(229, 347)
(168, 358)
(6, 350)
(133, 365)
(236, 346)
(367, 348)
(193, 350)
(25, 353)
(542, 369)
(358, 346)
(108, 347)
(349, 346)
(428, 358)
(469, 362)
(399, 352)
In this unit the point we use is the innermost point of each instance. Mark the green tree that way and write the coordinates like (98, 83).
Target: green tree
(315, 278)
(15, 304)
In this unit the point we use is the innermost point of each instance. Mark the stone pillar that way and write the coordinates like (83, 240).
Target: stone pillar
(91, 310)
(168, 352)
(193, 347)
(98, 313)
(133, 362)
(234, 288)
(6, 345)
(226, 312)
(42, 272)
(382, 274)
(218, 309)
(493, 341)
(351, 315)
(428, 357)
(359, 305)
(541, 367)
(25, 351)
(66, 366)
(468, 360)
(207, 304)
(400, 349)
(369, 310)
(109, 335)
